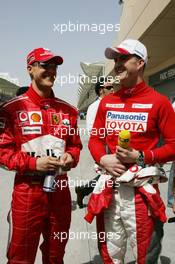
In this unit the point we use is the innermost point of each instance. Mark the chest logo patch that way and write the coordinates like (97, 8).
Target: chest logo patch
(143, 106)
(66, 122)
(31, 130)
(132, 121)
(115, 105)
(23, 116)
(55, 119)
(35, 118)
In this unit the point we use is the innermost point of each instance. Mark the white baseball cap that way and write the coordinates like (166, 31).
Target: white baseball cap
(128, 46)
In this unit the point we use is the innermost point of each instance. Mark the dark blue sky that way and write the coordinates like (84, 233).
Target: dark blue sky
(25, 25)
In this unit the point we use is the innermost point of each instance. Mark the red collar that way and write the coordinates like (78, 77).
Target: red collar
(127, 92)
(37, 99)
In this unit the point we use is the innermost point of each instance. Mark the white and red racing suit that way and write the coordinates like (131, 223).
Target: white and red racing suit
(147, 115)
(31, 127)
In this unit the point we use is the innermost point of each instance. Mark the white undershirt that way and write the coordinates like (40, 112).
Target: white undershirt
(91, 114)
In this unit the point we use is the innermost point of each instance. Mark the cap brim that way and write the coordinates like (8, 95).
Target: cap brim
(113, 53)
(57, 59)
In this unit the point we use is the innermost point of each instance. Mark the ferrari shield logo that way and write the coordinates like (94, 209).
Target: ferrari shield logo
(55, 119)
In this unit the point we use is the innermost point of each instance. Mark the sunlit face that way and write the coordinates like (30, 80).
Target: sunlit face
(43, 73)
(127, 68)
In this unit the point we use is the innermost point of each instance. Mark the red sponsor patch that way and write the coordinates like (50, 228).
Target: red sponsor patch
(23, 116)
(55, 118)
(36, 117)
(59, 119)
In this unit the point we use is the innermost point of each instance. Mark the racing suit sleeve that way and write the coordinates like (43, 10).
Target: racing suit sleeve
(73, 144)
(10, 157)
(166, 126)
(97, 137)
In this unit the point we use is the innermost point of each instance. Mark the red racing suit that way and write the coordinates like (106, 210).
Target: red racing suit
(31, 127)
(147, 115)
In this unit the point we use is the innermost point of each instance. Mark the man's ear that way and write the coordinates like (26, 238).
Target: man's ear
(141, 64)
(29, 69)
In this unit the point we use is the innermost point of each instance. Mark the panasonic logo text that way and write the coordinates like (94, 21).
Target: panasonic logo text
(133, 121)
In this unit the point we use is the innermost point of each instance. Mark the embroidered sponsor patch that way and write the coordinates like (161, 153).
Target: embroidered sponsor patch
(31, 130)
(142, 106)
(132, 121)
(59, 119)
(115, 105)
(65, 119)
(55, 118)
(23, 116)
(66, 122)
(35, 118)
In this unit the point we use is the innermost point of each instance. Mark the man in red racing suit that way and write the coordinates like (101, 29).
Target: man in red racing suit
(147, 115)
(38, 135)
